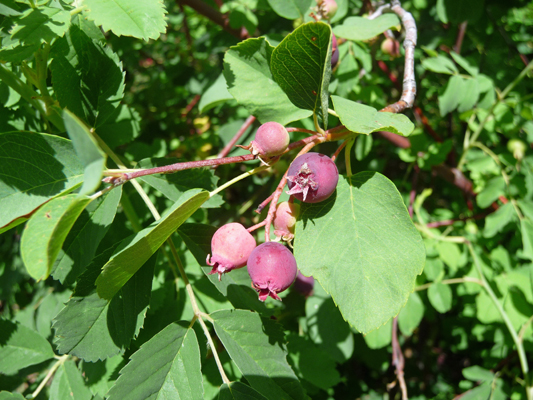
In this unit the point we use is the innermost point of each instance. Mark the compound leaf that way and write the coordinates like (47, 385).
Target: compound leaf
(92, 158)
(81, 243)
(361, 244)
(255, 344)
(167, 366)
(93, 328)
(46, 231)
(143, 19)
(250, 82)
(35, 167)
(137, 249)
(21, 347)
(68, 383)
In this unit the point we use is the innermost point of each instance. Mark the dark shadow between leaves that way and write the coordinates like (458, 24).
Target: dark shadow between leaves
(7, 329)
(45, 178)
(313, 211)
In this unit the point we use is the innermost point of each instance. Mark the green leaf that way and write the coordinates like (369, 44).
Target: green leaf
(122, 126)
(440, 64)
(476, 373)
(41, 24)
(359, 28)
(250, 82)
(21, 347)
(238, 391)
(360, 118)
(216, 94)
(440, 297)
(326, 327)
(136, 249)
(92, 158)
(167, 366)
(10, 396)
(35, 167)
(9, 8)
(312, 363)
(411, 315)
(87, 77)
(452, 95)
(255, 344)
(471, 95)
(450, 254)
(458, 11)
(301, 65)
(174, 185)
(474, 71)
(94, 329)
(493, 189)
(361, 244)
(526, 227)
(46, 231)
(496, 221)
(69, 384)
(101, 375)
(381, 337)
(290, 9)
(236, 287)
(81, 243)
(143, 19)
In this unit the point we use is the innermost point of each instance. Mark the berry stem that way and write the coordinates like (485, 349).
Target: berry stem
(347, 155)
(256, 226)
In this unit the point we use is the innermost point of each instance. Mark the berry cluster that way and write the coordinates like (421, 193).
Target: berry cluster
(311, 178)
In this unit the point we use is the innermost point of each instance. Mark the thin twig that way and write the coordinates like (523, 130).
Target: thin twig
(412, 194)
(397, 358)
(61, 360)
(409, 84)
(460, 37)
(225, 151)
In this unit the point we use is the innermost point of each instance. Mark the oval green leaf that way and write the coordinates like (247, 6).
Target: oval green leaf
(363, 248)
(359, 28)
(360, 118)
(137, 249)
(46, 231)
(301, 65)
(250, 81)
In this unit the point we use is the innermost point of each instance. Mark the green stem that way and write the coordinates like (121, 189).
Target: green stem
(61, 360)
(347, 156)
(238, 178)
(453, 239)
(198, 314)
(507, 321)
(317, 126)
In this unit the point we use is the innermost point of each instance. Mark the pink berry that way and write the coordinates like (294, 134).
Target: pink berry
(272, 268)
(285, 220)
(312, 177)
(271, 139)
(329, 8)
(391, 47)
(334, 51)
(304, 284)
(231, 246)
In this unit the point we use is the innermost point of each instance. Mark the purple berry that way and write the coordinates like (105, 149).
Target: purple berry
(304, 284)
(271, 139)
(272, 268)
(334, 51)
(285, 220)
(312, 177)
(231, 246)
